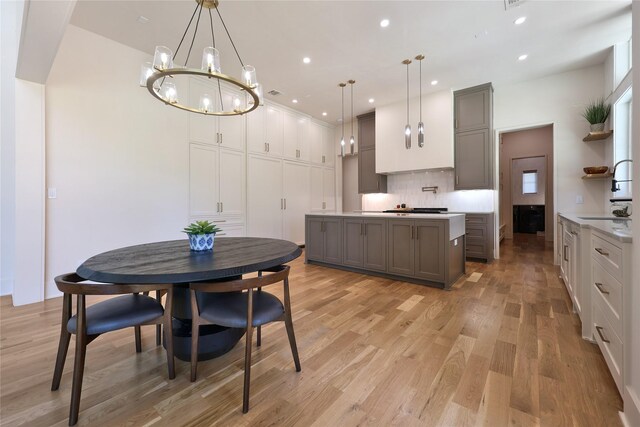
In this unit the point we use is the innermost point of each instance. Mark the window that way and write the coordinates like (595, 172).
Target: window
(530, 182)
(622, 113)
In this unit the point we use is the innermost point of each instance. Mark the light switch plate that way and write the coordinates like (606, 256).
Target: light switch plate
(52, 193)
(579, 199)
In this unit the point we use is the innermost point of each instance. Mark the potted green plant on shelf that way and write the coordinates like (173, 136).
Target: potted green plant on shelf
(201, 235)
(596, 114)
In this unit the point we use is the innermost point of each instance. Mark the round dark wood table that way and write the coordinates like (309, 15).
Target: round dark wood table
(173, 262)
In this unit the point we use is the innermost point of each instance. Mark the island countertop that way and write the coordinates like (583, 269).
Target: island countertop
(456, 221)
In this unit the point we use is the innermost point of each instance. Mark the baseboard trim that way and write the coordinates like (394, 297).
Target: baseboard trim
(631, 415)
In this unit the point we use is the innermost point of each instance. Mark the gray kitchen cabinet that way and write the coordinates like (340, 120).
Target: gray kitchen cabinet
(429, 252)
(479, 236)
(473, 144)
(401, 250)
(365, 243)
(368, 180)
(325, 239)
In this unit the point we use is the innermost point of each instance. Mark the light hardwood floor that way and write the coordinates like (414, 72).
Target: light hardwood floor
(502, 348)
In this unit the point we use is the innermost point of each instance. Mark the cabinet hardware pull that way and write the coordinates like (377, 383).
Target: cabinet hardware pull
(268, 147)
(600, 329)
(221, 207)
(285, 204)
(221, 234)
(220, 137)
(280, 204)
(324, 205)
(322, 159)
(602, 291)
(456, 123)
(411, 232)
(457, 179)
(601, 251)
(365, 229)
(378, 183)
(217, 206)
(265, 147)
(565, 253)
(361, 232)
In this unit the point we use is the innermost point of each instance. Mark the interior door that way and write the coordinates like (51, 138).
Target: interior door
(203, 180)
(232, 183)
(264, 198)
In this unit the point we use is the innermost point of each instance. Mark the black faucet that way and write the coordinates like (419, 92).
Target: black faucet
(614, 183)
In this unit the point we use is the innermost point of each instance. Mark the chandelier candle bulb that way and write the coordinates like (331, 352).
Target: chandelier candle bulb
(145, 72)
(163, 58)
(211, 60)
(249, 75)
(170, 92)
(205, 103)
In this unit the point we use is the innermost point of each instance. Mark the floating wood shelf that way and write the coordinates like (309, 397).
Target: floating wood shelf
(598, 175)
(599, 136)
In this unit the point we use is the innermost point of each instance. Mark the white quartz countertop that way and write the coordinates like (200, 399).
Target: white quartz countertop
(617, 228)
(387, 215)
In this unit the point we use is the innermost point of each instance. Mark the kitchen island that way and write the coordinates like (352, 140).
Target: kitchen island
(427, 249)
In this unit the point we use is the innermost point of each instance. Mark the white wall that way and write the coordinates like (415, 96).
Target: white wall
(117, 157)
(559, 99)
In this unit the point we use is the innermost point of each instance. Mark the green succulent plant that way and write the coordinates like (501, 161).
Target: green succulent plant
(201, 227)
(597, 111)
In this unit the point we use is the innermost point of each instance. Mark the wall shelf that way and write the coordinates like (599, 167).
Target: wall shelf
(598, 136)
(598, 175)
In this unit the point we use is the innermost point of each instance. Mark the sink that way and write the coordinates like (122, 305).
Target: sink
(607, 218)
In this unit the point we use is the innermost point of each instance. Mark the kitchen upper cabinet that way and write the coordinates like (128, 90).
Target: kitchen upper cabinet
(297, 200)
(228, 132)
(437, 152)
(265, 130)
(368, 180)
(264, 197)
(474, 163)
(296, 136)
(473, 160)
(321, 144)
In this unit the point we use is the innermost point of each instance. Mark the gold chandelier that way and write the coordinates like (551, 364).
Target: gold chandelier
(157, 76)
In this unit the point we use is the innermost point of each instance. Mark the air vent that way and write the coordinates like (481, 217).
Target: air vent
(510, 4)
(275, 92)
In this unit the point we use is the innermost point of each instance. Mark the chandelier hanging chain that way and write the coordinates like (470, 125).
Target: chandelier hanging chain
(229, 35)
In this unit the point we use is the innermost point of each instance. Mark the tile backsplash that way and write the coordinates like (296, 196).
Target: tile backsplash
(407, 188)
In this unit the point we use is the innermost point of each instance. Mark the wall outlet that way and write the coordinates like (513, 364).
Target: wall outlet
(52, 193)
(579, 199)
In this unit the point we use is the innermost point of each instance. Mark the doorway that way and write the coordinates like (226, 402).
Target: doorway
(526, 183)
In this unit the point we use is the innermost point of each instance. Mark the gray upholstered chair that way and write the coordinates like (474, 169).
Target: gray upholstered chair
(234, 304)
(128, 310)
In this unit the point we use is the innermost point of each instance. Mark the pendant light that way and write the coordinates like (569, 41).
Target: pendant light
(352, 140)
(420, 123)
(407, 128)
(342, 148)
(157, 76)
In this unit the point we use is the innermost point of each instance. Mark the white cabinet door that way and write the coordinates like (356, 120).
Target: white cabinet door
(290, 135)
(201, 128)
(231, 128)
(232, 183)
(264, 197)
(256, 131)
(315, 143)
(304, 145)
(274, 130)
(328, 147)
(329, 189)
(297, 201)
(203, 180)
(317, 196)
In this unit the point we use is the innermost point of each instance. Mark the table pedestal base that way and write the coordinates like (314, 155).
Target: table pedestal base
(214, 340)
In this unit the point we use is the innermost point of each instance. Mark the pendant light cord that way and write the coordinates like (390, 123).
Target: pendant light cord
(186, 30)
(407, 93)
(213, 40)
(194, 36)
(420, 90)
(342, 141)
(351, 110)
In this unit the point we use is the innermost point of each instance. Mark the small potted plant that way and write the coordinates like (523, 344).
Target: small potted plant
(201, 235)
(596, 114)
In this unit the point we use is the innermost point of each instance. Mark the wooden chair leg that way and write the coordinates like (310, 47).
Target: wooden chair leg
(159, 327)
(138, 339)
(247, 353)
(78, 369)
(168, 328)
(259, 335)
(292, 340)
(63, 345)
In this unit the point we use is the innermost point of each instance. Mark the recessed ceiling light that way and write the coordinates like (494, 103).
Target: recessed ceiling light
(142, 19)
(434, 82)
(520, 20)
(371, 100)
(324, 113)
(306, 60)
(295, 101)
(522, 57)
(384, 23)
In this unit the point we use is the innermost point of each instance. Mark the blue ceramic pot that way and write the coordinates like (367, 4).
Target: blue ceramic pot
(201, 242)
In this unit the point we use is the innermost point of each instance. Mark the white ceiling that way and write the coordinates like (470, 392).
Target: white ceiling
(465, 42)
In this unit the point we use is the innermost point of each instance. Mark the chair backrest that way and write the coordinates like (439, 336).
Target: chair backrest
(71, 283)
(278, 274)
